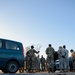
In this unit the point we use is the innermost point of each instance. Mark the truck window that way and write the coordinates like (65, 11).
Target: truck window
(11, 45)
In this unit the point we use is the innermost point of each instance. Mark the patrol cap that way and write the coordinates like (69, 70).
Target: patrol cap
(50, 45)
(71, 50)
(64, 46)
(32, 46)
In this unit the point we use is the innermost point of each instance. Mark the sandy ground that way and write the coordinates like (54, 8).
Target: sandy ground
(40, 73)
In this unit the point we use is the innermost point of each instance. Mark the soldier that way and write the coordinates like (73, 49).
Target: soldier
(61, 56)
(73, 58)
(50, 58)
(31, 54)
(67, 68)
(42, 61)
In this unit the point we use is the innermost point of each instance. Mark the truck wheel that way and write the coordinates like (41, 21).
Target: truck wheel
(12, 67)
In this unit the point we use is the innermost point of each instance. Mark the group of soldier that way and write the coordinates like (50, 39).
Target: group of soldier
(33, 63)
(62, 55)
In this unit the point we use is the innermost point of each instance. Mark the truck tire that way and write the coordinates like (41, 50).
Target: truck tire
(12, 67)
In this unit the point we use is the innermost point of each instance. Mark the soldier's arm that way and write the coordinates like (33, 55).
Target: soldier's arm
(66, 53)
(27, 52)
(53, 50)
(47, 51)
(59, 53)
(36, 51)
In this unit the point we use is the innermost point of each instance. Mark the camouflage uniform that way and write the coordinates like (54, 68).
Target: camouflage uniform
(62, 56)
(42, 60)
(67, 68)
(73, 59)
(50, 58)
(31, 54)
(67, 60)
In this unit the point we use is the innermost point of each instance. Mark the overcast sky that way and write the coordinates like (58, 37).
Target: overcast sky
(39, 22)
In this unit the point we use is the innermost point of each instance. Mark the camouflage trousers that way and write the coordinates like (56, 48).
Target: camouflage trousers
(33, 63)
(63, 64)
(30, 63)
(50, 64)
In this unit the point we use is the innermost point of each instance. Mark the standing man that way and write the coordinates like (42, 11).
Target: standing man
(42, 60)
(61, 60)
(61, 56)
(73, 59)
(67, 68)
(31, 54)
(50, 58)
